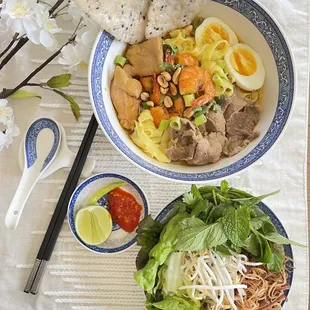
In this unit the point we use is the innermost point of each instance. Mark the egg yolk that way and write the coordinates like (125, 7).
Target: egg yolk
(215, 32)
(243, 62)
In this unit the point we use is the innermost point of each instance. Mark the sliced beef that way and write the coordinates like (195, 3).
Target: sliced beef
(216, 122)
(237, 103)
(242, 123)
(146, 57)
(208, 149)
(225, 104)
(190, 145)
(178, 153)
(236, 144)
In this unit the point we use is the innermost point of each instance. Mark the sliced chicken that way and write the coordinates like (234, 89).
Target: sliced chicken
(124, 93)
(146, 57)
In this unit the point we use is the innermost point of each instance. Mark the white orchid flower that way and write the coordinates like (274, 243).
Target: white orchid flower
(5, 112)
(6, 138)
(20, 15)
(75, 56)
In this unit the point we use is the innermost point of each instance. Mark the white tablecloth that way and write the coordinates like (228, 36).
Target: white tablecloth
(78, 279)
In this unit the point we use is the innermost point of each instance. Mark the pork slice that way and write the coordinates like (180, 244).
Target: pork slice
(178, 153)
(237, 103)
(208, 149)
(253, 113)
(216, 122)
(146, 57)
(240, 125)
(236, 144)
(225, 104)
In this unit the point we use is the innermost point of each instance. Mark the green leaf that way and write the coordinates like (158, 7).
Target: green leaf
(276, 262)
(275, 237)
(225, 250)
(22, 94)
(268, 228)
(168, 238)
(174, 49)
(202, 209)
(216, 213)
(257, 222)
(216, 107)
(169, 67)
(191, 222)
(146, 277)
(236, 223)
(180, 206)
(252, 245)
(74, 106)
(265, 252)
(202, 237)
(249, 201)
(148, 234)
(176, 303)
(195, 192)
(224, 187)
(189, 199)
(59, 81)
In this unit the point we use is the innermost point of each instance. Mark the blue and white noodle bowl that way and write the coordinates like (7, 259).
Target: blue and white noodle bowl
(257, 28)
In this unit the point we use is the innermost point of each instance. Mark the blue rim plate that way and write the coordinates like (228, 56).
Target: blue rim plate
(71, 213)
(279, 47)
(165, 215)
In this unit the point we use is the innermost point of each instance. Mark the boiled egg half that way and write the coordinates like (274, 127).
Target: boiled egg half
(212, 30)
(245, 66)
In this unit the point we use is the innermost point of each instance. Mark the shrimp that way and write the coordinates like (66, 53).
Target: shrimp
(194, 79)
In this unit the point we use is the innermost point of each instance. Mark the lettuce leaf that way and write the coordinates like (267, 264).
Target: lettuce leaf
(148, 234)
(168, 239)
(146, 276)
(176, 303)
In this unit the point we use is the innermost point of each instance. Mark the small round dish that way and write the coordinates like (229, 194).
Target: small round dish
(168, 212)
(119, 240)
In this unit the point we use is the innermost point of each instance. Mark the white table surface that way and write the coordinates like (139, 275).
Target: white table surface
(78, 279)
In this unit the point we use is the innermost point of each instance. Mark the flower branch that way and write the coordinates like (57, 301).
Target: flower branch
(24, 40)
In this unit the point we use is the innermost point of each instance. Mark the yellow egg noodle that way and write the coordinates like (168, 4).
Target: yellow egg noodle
(211, 56)
(150, 139)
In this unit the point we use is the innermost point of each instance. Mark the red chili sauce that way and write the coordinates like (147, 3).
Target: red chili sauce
(124, 209)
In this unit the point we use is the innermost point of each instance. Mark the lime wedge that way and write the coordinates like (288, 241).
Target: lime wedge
(93, 224)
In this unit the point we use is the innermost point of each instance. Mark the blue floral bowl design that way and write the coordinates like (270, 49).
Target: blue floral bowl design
(258, 29)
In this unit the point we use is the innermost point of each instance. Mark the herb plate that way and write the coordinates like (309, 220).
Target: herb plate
(169, 211)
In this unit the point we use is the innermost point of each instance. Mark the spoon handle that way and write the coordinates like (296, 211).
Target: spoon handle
(22, 193)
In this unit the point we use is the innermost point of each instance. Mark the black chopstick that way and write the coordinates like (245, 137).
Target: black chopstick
(60, 212)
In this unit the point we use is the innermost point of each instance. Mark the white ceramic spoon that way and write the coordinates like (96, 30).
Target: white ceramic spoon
(64, 159)
(41, 145)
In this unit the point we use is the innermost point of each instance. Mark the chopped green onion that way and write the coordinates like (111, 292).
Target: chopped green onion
(144, 105)
(164, 124)
(188, 99)
(120, 60)
(203, 110)
(175, 122)
(200, 120)
(198, 109)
